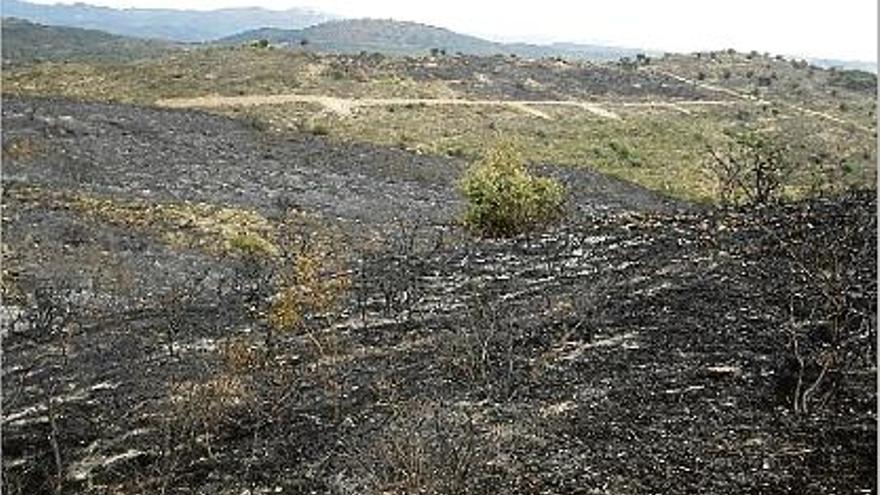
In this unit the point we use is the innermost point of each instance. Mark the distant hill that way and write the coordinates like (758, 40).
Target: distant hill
(826, 63)
(411, 38)
(372, 35)
(25, 42)
(177, 25)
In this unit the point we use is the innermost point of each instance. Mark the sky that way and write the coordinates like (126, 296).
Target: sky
(842, 29)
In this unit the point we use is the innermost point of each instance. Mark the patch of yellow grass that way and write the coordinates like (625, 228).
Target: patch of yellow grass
(214, 229)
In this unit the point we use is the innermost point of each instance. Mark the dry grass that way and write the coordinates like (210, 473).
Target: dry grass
(786, 81)
(228, 71)
(217, 230)
(310, 281)
(659, 148)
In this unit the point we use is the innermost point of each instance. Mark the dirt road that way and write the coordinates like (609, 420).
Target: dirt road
(762, 101)
(346, 106)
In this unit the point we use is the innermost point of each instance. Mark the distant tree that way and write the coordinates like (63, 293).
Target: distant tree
(303, 42)
(701, 76)
(261, 43)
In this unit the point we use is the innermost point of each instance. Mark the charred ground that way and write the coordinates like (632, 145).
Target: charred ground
(643, 345)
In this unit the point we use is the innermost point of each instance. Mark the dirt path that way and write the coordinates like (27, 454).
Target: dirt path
(346, 106)
(762, 101)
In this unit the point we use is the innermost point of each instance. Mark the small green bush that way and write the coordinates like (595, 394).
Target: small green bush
(504, 199)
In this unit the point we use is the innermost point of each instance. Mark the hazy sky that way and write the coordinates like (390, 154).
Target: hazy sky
(835, 29)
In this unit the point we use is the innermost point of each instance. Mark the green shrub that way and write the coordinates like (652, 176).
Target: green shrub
(504, 199)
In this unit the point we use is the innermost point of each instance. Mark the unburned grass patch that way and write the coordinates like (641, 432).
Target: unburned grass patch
(660, 151)
(214, 229)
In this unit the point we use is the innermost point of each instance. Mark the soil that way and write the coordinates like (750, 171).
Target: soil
(636, 347)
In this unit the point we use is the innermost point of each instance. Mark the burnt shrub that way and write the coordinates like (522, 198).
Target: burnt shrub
(752, 167)
(815, 263)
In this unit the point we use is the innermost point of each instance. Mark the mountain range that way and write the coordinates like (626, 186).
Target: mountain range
(321, 31)
(411, 38)
(168, 24)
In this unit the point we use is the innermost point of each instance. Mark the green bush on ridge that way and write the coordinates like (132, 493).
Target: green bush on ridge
(504, 199)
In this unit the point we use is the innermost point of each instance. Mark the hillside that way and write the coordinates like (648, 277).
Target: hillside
(639, 347)
(647, 122)
(251, 268)
(177, 25)
(27, 42)
(372, 35)
(410, 38)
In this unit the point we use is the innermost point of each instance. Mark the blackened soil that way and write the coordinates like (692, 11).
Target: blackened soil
(164, 155)
(640, 347)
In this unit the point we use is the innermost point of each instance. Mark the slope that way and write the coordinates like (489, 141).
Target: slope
(24, 42)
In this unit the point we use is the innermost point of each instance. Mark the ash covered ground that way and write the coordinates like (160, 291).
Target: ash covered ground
(641, 346)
